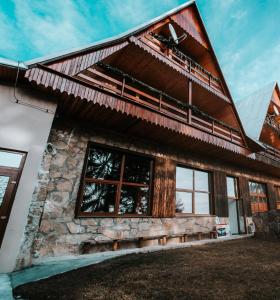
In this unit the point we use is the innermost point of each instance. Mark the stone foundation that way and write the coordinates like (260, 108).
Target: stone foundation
(267, 225)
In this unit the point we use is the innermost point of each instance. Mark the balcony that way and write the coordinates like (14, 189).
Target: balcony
(271, 153)
(272, 123)
(185, 62)
(146, 96)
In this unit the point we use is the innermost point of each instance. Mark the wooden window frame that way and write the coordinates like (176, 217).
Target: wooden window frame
(193, 191)
(119, 183)
(236, 187)
(15, 172)
(277, 200)
(259, 196)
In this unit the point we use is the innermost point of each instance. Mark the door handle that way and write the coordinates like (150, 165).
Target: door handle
(3, 217)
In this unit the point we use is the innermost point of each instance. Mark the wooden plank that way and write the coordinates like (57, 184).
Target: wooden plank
(220, 194)
(272, 196)
(245, 195)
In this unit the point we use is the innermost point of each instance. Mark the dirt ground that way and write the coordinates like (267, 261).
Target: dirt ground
(241, 269)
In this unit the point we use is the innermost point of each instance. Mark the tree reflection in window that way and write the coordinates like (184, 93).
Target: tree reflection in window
(115, 183)
(103, 164)
(137, 169)
(134, 200)
(99, 198)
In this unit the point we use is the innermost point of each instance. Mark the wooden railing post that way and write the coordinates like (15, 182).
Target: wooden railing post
(190, 102)
(123, 85)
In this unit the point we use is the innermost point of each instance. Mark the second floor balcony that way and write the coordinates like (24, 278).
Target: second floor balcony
(142, 94)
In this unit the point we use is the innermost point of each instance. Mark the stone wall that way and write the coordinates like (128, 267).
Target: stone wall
(52, 228)
(267, 224)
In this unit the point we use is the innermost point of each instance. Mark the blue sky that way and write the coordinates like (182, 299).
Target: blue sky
(244, 33)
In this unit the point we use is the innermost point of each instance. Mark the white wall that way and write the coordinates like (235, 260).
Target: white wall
(26, 129)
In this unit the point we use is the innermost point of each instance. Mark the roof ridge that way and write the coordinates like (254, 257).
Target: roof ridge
(116, 38)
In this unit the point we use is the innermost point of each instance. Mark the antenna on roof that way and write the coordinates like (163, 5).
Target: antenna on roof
(174, 36)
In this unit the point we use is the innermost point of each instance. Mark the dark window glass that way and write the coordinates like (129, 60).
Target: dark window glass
(137, 169)
(134, 200)
(115, 183)
(99, 198)
(103, 164)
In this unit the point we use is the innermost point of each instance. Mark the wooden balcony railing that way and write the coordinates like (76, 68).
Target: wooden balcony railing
(271, 153)
(185, 62)
(272, 123)
(160, 102)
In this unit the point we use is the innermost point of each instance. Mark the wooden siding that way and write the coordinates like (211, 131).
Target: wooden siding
(164, 188)
(188, 21)
(245, 195)
(220, 194)
(78, 63)
(272, 197)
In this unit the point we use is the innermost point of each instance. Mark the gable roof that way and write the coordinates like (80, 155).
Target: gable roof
(109, 41)
(253, 109)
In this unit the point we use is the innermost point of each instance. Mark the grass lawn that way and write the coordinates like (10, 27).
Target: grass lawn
(241, 269)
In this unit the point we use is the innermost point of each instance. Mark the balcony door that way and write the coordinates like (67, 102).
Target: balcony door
(11, 163)
(235, 207)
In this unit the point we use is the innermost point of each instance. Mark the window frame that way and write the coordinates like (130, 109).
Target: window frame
(277, 200)
(236, 187)
(193, 191)
(259, 195)
(119, 183)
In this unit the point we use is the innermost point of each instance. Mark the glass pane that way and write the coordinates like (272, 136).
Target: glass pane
(9, 159)
(183, 202)
(134, 200)
(231, 187)
(202, 203)
(103, 164)
(99, 198)
(201, 181)
(241, 216)
(137, 169)
(4, 180)
(184, 178)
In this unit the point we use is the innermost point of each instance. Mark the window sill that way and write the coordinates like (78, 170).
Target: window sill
(183, 215)
(113, 216)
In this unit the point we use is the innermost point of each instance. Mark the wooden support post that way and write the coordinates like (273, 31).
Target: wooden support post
(141, 242)
(199, 235)
(190, 102)
(123, 85)
(163, 241)
(115, 245)
(185, 238)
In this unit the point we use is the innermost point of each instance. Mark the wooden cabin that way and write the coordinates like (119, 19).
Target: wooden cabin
(131, 141)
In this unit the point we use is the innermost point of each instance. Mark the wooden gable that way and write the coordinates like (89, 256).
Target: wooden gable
(270, 133)
(130, 55)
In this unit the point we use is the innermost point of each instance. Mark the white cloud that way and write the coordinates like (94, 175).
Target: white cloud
(50, 25)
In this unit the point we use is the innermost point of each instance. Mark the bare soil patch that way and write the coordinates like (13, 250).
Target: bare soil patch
(241, 269)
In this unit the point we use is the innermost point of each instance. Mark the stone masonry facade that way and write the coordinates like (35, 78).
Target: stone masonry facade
(53, 230)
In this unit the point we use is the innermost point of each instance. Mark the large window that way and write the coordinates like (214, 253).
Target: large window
(192, 191)
(115, 183)
(258, 195)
